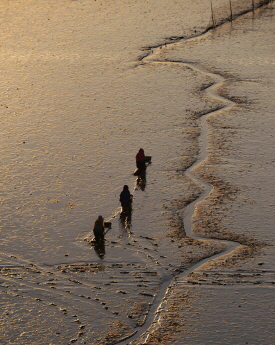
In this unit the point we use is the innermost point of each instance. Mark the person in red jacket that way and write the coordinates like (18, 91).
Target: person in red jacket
(140, 159)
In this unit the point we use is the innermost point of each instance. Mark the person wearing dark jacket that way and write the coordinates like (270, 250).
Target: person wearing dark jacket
(125, 199)
(140, 159)
(99, 229)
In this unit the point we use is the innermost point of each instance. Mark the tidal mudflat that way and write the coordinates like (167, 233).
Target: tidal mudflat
(81, 92)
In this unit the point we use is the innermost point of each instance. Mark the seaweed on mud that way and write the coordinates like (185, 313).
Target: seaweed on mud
(176, 222)
(116, 330)
(171, 324)
(205, 86)
(210, 213)
(238, 100)
(230, 278)
(199, 114)
(138, 312)
(92, 268)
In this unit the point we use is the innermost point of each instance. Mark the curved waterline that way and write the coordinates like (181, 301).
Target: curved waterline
(153, 318)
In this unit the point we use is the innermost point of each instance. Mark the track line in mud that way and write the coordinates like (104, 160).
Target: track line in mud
(153, 318)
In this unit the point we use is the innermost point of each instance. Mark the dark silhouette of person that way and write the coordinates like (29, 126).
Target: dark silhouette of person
(125, 199)
(99, 229)
(140, 160)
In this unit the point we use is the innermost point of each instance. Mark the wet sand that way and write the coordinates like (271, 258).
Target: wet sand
(98, 300)
(236, 288)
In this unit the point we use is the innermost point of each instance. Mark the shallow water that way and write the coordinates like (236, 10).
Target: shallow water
(76, 105)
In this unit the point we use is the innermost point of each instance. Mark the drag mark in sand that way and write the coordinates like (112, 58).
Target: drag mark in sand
(154, 317)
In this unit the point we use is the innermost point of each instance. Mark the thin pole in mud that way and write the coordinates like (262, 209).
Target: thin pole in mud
(253, 6)
(212, 15)
(231, 14)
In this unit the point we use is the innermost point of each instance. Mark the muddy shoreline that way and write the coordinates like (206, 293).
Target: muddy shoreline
(64, 111)
(208, 224)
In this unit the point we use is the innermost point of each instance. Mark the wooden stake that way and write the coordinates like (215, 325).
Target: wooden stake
(213, 20)
(231, 14)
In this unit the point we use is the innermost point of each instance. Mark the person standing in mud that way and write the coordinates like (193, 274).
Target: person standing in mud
(125, 199)
(140, 160)
(99, 229)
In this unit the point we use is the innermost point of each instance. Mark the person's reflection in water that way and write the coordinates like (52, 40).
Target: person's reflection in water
(125, 219)
(141, 182)
(99, 248)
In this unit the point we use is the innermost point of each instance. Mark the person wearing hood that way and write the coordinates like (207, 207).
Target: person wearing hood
(140, 159)
(125, 198)
(99, 229)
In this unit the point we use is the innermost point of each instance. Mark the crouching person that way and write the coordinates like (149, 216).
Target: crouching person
(125, 199)
(99, 229)
(141, 160)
